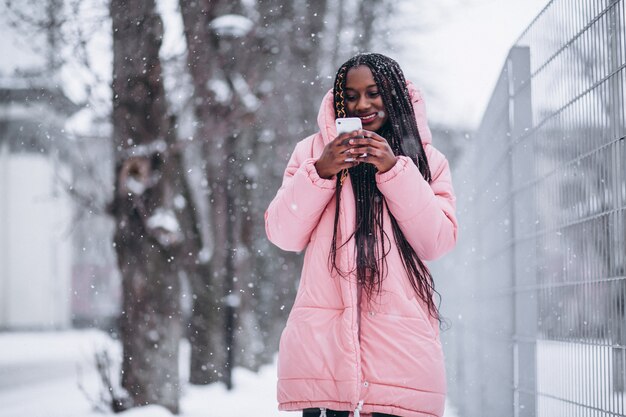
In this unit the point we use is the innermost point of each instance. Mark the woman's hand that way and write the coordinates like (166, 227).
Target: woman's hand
(374, 149)
(335, 156)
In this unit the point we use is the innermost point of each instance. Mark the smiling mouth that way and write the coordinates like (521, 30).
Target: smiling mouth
(369, 118)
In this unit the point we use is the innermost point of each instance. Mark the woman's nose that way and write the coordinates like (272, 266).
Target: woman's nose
(362, 104)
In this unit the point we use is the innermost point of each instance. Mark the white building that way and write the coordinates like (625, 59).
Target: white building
(35, 212)
(57, 265)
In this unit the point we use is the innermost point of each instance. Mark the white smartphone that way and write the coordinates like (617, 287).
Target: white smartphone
(347, 124)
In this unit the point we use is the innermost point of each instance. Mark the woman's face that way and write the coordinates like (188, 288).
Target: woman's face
(363, 99)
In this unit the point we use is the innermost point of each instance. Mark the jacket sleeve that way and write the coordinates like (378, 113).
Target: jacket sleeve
(425, 212)
(297, 207)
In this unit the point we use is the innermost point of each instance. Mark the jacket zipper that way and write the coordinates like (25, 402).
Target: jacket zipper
(357, 410)
(359, 403)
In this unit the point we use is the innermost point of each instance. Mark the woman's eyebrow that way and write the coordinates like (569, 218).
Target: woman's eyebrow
(369, 86)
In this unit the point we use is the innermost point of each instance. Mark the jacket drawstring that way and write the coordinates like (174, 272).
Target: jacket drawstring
(323, 413)
(357, 410)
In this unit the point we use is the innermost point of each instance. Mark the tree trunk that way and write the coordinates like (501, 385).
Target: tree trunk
(368, 11)
(145, 244)
(306, 50)
(206, 333)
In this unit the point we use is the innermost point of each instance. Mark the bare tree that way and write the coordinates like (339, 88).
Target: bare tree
(147, 229)
(206, 333)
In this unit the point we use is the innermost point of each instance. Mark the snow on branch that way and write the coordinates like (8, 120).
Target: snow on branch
(232, 25)
(164, 219)
(248, 99)
(220, 89)
(149, 149)
(165, 227)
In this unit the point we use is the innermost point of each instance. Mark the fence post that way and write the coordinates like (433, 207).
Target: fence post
(523, 214)
(617, 334)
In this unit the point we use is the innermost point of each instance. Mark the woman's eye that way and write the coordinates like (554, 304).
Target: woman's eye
(350, 98)
(374, 93)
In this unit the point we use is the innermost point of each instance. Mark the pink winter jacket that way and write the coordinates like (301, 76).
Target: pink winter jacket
(339, 351)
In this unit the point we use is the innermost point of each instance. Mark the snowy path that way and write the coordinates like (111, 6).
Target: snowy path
(19, 375)
(39, 374)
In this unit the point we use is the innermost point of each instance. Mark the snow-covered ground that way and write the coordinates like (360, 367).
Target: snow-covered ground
(40, 374)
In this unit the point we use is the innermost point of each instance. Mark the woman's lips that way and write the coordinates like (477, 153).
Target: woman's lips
(369, 118)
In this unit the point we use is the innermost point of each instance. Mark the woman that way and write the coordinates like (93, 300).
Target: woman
(369, 207)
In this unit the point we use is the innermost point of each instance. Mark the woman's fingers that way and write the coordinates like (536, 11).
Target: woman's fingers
(349, 163)
(371, 135)
(366, 142)
(341, 139)
(364, 150)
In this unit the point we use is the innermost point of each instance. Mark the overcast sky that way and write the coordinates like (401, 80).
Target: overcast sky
(459, 54)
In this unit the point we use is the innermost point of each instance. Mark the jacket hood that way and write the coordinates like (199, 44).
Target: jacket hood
(326, 115)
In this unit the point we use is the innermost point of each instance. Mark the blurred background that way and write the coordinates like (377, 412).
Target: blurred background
(141, 142)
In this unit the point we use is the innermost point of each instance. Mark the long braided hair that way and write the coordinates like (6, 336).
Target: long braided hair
(400, 131)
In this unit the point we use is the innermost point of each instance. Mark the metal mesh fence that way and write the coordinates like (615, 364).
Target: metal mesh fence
(538, 289)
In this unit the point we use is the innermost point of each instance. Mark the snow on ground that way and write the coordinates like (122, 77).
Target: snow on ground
(39, 374)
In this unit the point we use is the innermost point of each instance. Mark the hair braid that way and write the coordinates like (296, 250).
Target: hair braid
(403, 136)
(340, 84)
